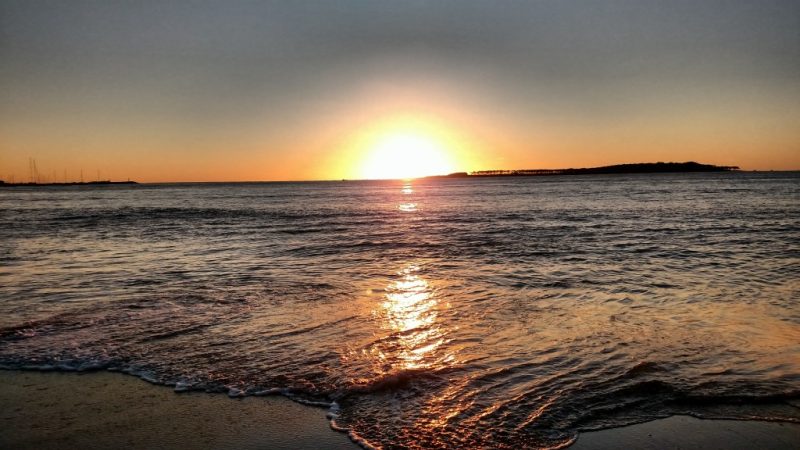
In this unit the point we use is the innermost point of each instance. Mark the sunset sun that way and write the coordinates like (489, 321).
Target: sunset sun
(406, 155)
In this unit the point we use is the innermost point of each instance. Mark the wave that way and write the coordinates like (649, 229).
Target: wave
(506, 313)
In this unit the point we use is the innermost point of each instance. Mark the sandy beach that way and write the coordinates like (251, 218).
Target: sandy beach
(685, 432)
(109, 410)
(48, 410)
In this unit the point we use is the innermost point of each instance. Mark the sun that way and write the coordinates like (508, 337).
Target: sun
(406, 154)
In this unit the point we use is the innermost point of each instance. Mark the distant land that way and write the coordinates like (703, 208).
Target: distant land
(74, 183)
(659, 167)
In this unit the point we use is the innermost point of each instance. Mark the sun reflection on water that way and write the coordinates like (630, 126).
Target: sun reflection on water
(410, 313)
(407, 206)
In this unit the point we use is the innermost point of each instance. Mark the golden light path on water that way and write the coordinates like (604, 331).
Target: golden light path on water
(406, 206)
(409, 313)
(409, 310)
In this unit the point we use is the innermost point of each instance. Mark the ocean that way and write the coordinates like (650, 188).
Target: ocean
(453, 313)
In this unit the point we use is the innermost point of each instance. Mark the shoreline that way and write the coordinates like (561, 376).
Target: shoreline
(104, 410)
(54, 409)
(676, 432)
(427, 177)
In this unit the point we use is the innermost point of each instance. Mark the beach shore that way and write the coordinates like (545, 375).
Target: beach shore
(103, 410)
(46, 410)
(684, 432)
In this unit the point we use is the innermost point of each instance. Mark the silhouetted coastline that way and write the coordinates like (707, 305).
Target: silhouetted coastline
(75, 183)
(659, 167)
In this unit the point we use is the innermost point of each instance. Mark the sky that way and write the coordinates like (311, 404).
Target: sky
(294, 90)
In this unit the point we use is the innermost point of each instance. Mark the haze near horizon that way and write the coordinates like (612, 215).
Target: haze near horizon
(212, 91)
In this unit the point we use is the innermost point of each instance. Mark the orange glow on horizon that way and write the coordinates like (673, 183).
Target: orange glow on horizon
(406, 155)
(404, 147)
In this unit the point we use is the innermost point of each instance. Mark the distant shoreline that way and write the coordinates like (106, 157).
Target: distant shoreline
(618, 169)
(659, 167)
(74, 183)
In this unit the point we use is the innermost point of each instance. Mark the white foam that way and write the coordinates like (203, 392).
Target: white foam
(333, 414)
(235, 393)
(272, 391)
(143, 374)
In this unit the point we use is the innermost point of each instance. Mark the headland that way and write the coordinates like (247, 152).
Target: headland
(658, 167)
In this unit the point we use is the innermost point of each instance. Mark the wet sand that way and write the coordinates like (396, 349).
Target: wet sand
(684, 432)
(47, 410)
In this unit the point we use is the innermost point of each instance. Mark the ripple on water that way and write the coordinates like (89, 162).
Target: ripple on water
(433, 313)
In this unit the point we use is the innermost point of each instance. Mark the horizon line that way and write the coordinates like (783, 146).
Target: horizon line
(333, 180)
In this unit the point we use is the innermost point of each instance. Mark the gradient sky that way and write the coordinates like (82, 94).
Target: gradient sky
(260, 90)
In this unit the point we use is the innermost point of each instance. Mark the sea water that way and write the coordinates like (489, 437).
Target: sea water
(480, 312)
